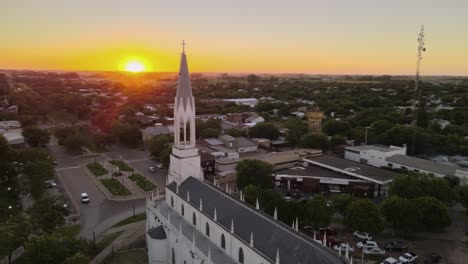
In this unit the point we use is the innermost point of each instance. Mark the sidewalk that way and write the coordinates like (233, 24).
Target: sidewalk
(132, 232)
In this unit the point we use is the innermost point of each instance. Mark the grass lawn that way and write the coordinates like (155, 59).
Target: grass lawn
(142, 182)
(138, 256)
(71, 230)
(103, 243)
(115, 187)
(122, 165)
(96, 169)
(138, 217)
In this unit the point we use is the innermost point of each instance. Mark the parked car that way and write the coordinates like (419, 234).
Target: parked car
(160, 166)
(362, 235)
(84, 198)
(375, 251)
(396, 245)
(408, 257)
(367, 244)
(151, 169)
(50, 184)
(390, 261)
(432, 259)
(343, 247)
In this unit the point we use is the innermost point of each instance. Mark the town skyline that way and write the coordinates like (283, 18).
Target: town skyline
(314, 38)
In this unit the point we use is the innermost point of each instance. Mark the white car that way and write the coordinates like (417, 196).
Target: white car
(84, 198)
(367, 244)
(343, 247)
(151, 169)
(408, 257)
(362, 235)
(50, 184)
(375, 251)
(160, 166)
(390, 261)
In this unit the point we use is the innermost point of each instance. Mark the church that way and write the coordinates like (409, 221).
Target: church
(196, 222)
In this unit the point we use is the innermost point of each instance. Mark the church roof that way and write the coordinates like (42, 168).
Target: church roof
(157, 233)
(269, 234)
(184, 88)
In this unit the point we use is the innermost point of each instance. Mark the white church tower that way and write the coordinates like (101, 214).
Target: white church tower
(185, 160)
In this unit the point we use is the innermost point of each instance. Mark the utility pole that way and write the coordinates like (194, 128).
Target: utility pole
(421, 49)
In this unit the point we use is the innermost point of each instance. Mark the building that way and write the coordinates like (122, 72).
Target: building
(198, 223)
(380, 179)
(374, 155)
(314, 117)
(243, 101)
(410, 163)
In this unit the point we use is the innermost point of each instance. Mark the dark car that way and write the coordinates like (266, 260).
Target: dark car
(396, 245)
(432, 259)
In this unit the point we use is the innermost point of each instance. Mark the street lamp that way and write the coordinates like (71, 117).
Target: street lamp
(365, 139)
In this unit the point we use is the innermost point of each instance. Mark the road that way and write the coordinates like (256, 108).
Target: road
(100, 214)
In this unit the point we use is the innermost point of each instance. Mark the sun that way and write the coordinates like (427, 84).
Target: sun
(134, 66)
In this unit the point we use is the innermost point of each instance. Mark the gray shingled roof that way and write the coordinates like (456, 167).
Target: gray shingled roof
(157, 233)
(422, 164)
(184, 88)
(269, 235)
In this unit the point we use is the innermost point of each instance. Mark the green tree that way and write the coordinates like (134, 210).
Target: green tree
(462, 194)
(78, 258)
(209, 133)
(341, 202)
(37, 172)
(433, 214)
(264, 130)
(127, 134)
(233, 132)
(333, 127)
(74, 142)
(252, 79)
(315, 141)
(296, 130)
(165, 155)
(13, 234)
(35, 136)
(400, 213)
(364, 215)
(255, 172)
(53, 248)
(251, 193)
(47, 215)
(318, 213)
(337, 140)
(422, 118)
(157, 144)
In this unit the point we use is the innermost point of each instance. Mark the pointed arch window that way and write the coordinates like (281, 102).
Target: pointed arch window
(241, 255)
(194, 219)
(182, 211)
(223, 242)
(172, 201)
(207, 231)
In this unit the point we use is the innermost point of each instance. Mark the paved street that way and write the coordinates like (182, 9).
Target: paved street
(159, 176)
(101, 213)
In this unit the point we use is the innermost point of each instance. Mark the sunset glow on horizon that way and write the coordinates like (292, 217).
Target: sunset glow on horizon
(317, 37)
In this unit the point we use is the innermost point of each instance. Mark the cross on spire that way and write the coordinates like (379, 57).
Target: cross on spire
(183, 45)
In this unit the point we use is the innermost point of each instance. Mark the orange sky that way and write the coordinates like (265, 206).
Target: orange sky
(335, 37)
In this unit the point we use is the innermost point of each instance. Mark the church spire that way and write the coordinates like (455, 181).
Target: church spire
(184, 87)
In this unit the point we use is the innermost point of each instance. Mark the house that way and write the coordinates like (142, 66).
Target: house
(13, 136)
(254, 119)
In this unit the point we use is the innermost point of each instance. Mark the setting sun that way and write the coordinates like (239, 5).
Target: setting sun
(134, 66)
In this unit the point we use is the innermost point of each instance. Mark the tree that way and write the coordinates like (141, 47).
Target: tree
(318, 213)
(13, 234)
(413, 185)
(433, 214)
(78, 258)
(74, 142)
(37, 172)
(54, 248)
(422, 118)
(251, 193)
(264, 130)
(127, 134)
(252, 79)
(337, 140)
(233, 132)
(209, 133)
(400, 213)
(364, 215)
(164, 156)
(35, 136)
(315, 141)
(462, 194)
(47, 215)
(296, 130)
(255, 172)
(333, 127)
(159, 143)
(341, 202)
